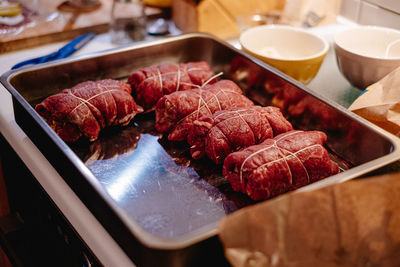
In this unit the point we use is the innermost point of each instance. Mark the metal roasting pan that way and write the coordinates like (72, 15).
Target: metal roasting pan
(159, 205)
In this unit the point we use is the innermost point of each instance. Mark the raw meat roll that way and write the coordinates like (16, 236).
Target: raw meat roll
(286, 162)
(153, 82)
(230, 130)
(89, 107)
(176, 112)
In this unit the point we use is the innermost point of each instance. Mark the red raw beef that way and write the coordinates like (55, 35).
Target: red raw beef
(88, 107)
(286, 162)
(176, 112)
(151, 83)
(299, 105)
(246, 73)
(230, 130)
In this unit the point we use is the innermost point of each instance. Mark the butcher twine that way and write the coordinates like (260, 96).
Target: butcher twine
(201, 99)
(160, 76)
(283, 157)
(228, 112)
(197, 112)
(86, 101)
(178, 78)
(232, 118)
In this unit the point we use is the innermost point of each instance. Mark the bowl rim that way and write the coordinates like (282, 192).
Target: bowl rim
(358, 27)
(322, 52)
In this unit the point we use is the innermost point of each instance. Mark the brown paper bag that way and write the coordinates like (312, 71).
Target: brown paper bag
(356, 223)
(380, 103)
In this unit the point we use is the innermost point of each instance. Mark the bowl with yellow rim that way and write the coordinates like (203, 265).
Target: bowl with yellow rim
(294, 51)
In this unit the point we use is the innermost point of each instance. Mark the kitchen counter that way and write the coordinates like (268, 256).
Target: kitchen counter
(329, 83)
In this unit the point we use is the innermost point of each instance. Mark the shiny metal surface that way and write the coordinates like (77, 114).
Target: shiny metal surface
(165, 199)
(157, 182)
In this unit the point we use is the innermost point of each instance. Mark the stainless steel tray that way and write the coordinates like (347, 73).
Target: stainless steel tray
(157, 203)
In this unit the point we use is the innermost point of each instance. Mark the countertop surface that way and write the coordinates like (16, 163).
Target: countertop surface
(329, 83)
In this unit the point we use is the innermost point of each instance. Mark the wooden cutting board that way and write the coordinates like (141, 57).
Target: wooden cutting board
(57, 21)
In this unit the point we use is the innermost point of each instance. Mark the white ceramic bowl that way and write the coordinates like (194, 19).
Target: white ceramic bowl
(365, 54)
(294, 51)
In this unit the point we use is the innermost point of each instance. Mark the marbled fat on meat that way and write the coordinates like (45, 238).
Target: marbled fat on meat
(230, 130)
(153, 82)
(89, 107)
(286, 162)
(176, 112)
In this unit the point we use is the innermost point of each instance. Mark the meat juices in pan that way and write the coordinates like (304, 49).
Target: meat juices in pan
(286, 162)
(151, 83)
(176, 112)
(230, 130)
(89, 107)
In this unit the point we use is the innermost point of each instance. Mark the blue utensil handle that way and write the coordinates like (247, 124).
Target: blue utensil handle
(63, 52)
(74, 45)
(32, 61)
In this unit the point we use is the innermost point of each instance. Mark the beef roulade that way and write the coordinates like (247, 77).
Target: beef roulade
(89, 107)
(176, 112)
(286, 162)
(153, 82)
(230, 130)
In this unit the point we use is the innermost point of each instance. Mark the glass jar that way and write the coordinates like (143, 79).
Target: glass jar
(128, 21)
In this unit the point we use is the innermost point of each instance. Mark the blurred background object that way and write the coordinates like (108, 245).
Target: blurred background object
(158, 3)
(15, 15)
(49, 21)
(128, 21)
(219, 17)
(77, 8)
(248, 20)
(79, 5)
(384, 13)
(83, 3)
(9, 9)
(310, 13)
(159, 27)
(227, 18)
